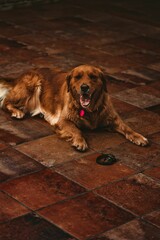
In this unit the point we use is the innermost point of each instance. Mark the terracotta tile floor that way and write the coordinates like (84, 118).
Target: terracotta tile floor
(48, 190)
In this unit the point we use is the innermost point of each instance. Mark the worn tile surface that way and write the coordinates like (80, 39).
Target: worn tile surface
(153, 172)
(10, 208)
(155, 138)
(79, 216)
(14, 163)
(137, 157)
(86, 172)
(23, 130)
(32, 227)
(137, 98)
(41, 189)
(132, 192)
(124, 109)
(144, 73)
(145, 43)
(38, 171)
(132, 230)
(57, 150)
(2, 146)
(137, 120)
(100, 140)
(153, 217)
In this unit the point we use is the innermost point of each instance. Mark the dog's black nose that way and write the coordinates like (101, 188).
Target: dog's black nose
(84, 88)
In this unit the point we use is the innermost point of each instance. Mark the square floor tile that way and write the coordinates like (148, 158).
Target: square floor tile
(4, 116)
(145, 73)
(137, 98)
(144, 122)
(133, 193)
(2, 146)
(17, 131)
(155, 85)
(10, 31)
(155, 66)
(123, 76)
(114, 86)
(149, 90)
(155, 109)
(137, 157)
(86, 215)
(153, 217)
(14, 164)
(145, 42)
(10, 208)
(14, 66)
(101, 139)
(131, 231)
(123, 108)
(51, 151)
(117, 49)
(41, 189)
(155, 138)
(153, 172)
(32, 227)
(89, 174)
(10, 138)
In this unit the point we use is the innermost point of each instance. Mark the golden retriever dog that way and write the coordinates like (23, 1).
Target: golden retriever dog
(69, 101)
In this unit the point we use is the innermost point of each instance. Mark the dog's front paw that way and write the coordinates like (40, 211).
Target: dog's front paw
(137, 138)
(80, 144)
(18, 114)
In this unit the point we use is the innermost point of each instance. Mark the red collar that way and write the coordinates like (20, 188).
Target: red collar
(82, 113)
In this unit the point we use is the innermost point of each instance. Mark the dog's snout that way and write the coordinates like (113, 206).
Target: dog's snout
(84, 88)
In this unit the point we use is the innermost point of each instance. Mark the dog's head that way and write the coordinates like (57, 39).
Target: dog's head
(86, 84)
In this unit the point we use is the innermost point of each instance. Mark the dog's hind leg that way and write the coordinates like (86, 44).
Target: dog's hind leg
(6, 84)
(15, 100)
(15, 112)
(5, 89)
(18, 100)
(14, 104)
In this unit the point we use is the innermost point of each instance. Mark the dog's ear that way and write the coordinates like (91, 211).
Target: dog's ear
(68, 79)
(104, 80)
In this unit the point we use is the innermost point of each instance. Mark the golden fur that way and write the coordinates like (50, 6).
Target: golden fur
(60, 97)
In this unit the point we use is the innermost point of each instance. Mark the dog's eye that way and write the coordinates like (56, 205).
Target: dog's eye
(93, 77)
(77, 77)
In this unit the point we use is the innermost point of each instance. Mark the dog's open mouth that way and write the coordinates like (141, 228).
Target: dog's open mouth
(85, 100)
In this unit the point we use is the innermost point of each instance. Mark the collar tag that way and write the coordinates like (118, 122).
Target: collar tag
(81, 113)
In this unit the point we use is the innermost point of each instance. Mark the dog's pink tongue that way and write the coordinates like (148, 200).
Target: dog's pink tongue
(82, 112)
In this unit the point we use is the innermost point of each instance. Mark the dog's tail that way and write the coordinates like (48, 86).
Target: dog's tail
(6, 85)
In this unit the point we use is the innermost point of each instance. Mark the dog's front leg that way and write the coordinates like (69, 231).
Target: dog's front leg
(67, 130)
(111, 118)
(131, 135)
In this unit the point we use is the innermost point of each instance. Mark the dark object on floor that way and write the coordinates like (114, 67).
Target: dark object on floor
(106, 159)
